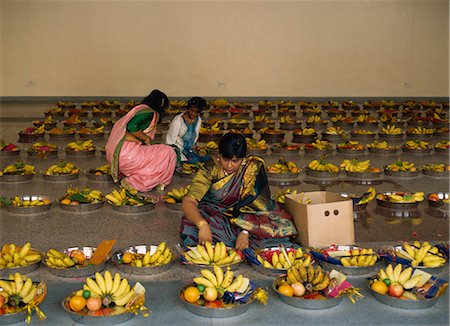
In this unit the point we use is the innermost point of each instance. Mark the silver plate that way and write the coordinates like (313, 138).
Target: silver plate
(9, 154)
(439, 204)
(362, 136)
(272, 138)
(419, 136)
(30, 210)
(149, 270)
(13, 318)
(321, 174)
(96, 320)
(132, 209)
(76, 272)
(353, 271)
(390, 136)
(402, 174)
(80, 153)
(16, 177)
(289, 125)
(350, 151)
(363, 175)
(302, 303)
(403, 304)
(304, 138)
(416, 151)
(444, 174)
(60, 177)
(283, 176)
(80, 208)
(61, 136)
(98, 177)
(235, 310)
(5, 272)
(319, 151)
(283, 151)
(390, 151)
(52, 153)
(332, 138)
(394, 205)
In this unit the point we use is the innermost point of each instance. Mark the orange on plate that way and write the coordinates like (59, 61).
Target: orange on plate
(77, 303)
(191, 294)
(286, 289)
(380, 287)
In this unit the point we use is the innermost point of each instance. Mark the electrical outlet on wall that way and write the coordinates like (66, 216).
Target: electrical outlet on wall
(221, 84)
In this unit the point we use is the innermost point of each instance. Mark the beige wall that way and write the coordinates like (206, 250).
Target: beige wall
(257, 48)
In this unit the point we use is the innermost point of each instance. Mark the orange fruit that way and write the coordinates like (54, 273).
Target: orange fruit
(78, 255)
(191, 294)
(286, 289)
(380, 287)
(127, 257)
(66, 201)
(94, 304)
(170, 200)
(46, 201)
(77, 303)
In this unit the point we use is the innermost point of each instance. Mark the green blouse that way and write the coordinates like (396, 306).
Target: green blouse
(140, 121)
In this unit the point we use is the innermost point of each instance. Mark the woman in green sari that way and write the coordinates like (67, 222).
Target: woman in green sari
(229, 201)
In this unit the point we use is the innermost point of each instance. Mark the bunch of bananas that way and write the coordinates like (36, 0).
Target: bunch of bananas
(219, 102)
(62, 168)
(212, 145)
(256, 144)
(391, 130)
(280, 195)
(284, 259)
(176, 195)
(162, 256)
(313, 109)
(443, 144)
(64, 131)
(365, 118)
(19, 290)
(360, 258)
(420, 131)
(319, 145)
(422, 254)
(404, 277)
(72, 119)
(355, 166)
(34, 131)
(106, 103)
(126, 197)
(265, 103)
(14, 256)
(238, 121)
(59, 260)
(362, 132)
(175, 103)
(191, 168)
(322, 165)
(222, 281)
(83, 195)
(114, 291)
(314, 279)
(271, 131)
(387, 117)
(287, 119)
(19, 202)
(335, 131)
(342, 118)
(107, 120)
(380, 145)
(213, 129)
(436, 167)
(208, 254)
(400, 165)
(19, 168)
(81, 145)
(91, 131)
(368, 196)
(305, 131)
(262, 118)
(43, 147)
(352, 145)
(417, 144)
(283, 167)
(402, 197)
(314, 119)
(103, 169)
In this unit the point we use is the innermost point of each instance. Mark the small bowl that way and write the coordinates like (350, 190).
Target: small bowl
(81, 208)
(5, 272)
(60, 177)
(394, 205)
(402, 174)
(321, 174)
(304, 139)
(30, 210)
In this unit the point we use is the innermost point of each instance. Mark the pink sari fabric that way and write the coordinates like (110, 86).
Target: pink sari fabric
(144, 166)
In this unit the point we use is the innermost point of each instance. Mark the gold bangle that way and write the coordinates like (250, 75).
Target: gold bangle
(201, 223)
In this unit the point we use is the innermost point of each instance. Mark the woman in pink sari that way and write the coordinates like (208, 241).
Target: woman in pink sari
(133, 159)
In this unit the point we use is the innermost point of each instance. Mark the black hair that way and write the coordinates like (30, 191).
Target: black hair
(157, 101)
(198, 102)
(232, 145)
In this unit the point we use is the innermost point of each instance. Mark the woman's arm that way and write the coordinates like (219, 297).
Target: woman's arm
(189, 206)
(138, 137)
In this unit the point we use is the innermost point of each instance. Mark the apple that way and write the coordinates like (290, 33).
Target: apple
(395, 290)
(299, 289)
(2, 301)
(210, 293)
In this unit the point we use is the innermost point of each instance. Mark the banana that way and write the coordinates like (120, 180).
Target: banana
(303, 273)
(24, 250)
(108, 281)
(228, 278)
(210, 277)
(93, 286)
(30, 295)
(411, 283)
(203, 281)
(325, 282)
(275, 259)
(397, 272)
(146, 258)
(19, 282)
(266, 264)
(310, 273)
(405, 275)
(390, 272)
(296, 273)
(116, 283)
(219, 274)
(291, 277)
(209, 250)
(217, 252)
(121, 289)
(154, 258)
(26, 287)
(122, 301)
(409, 249)
(318, 276)
(237, 283)
(202, 251)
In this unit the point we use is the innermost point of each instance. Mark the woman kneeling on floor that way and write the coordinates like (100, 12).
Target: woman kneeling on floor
(229, 201)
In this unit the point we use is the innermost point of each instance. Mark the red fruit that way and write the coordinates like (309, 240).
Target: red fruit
(94, 304)
(395, 290)
(214, 304)
(2, 301)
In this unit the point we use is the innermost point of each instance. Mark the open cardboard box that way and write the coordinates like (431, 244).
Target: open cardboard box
(322, 218)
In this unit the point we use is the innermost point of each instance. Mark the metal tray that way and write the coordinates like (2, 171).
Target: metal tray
(80, 153)
(332, 138)
(9, 154)
(129, 209)
(16, 177)
(5, 272)
(440, 204)
(257, 151)
(363, 175)
(404, 304)
(402, 174)
(235, 310)
(416, 151)
(92, 136)
(98, 177)
(353, 271)
(390, 136)
(390, 151)
(442, 150)
(321, 174)
(81, 208)
(319, 151)
(419, 136)
(362, 136)
(435, 174)
(52, 153)
(204, 138)
(399, 206)
(77, 272)
(302, 303)
(272, 138)
(149, 270)
(30, 210)
(283, 176)
(13, 318)
(96, 320)
(61, 136)
(304, 138)
(283, 151)
(289, 125)
(60, 177)
(350, 151)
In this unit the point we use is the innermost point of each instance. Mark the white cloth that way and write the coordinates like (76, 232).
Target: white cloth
(177, 129)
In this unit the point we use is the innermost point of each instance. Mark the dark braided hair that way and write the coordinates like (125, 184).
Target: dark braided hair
(232, 145)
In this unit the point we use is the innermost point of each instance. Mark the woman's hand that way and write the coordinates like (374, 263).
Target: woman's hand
(242, 241)
(204, 234)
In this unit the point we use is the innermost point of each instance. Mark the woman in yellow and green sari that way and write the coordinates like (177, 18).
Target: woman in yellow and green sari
(229, 201)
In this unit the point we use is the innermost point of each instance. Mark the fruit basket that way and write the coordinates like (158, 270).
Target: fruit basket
(408, 288)
(129, 202)
(289, 123)
(81, 200)
(17, 172)
(256, 147)
(28, 205)
(420, 133)
(319, 147)
(382, 147)
(209, 255)
(58, 112)
(313, 288)
(399, 200)
(439, 200)
(284, 148)
(349, 260)
(27, 261)
(390, 132)
(144, 259)
(210, 136)
(237, 123)
(283, 170)
(275, 261)
(91, 133)
(437, 170)
(43, 149)
(362, 134)
(106, 300)
(63, 171)
(401, 169)
(442, 146)
(174, 197)
(334, 134)
(219, 294)
(272, 135)
(65, 133)
(350, 147)
(321, 169)
(80, 148)
(22, 297)
(416, 147)
(100, 173)
(8, 150)
(360, 169)
(306, 135)
(188, 170)
(73, 262)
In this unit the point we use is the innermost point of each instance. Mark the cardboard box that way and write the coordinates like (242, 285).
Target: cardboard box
(322, 218)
